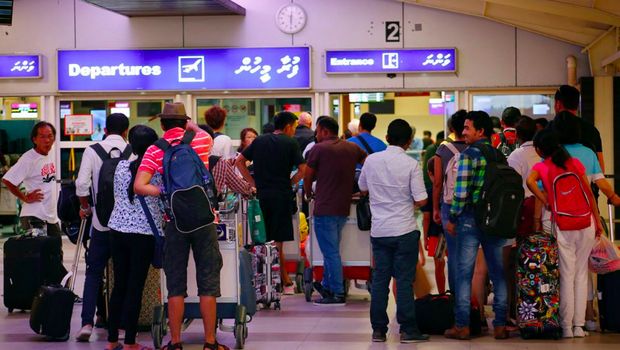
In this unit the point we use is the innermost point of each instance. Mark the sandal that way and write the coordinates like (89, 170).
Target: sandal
(118, 346)
(215, 346)
(170, 346)
(140, 347)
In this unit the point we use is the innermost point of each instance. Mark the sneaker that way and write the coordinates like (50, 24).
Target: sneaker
(330, 301)
(378, 336)
(578, 332)
(321, 290)
(567, 333)
(414, 337)
(289, 290)
(84, 333)
(592, 326)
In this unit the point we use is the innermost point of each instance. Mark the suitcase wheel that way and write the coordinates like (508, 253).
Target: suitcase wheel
(299, 283)
(276, 305)
(308, 289)
(11, 310)
(158, 326)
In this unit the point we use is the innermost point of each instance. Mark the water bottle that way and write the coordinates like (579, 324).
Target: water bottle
(164, 199)
(208, 187)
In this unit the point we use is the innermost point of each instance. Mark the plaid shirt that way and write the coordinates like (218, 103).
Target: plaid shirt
(469, 179)
(226, 178)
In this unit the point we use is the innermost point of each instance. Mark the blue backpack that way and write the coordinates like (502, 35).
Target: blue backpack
(190, 196)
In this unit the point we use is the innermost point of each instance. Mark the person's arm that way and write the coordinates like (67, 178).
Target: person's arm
(142, 185)
(601, 161)
(233, 181)
(301, 170)
(437, 189)
(83, 182)
(605, 187)
(417, 188)
(594, 205)
(532, 184)
(28, 197)
(240, 163)
(309, 177)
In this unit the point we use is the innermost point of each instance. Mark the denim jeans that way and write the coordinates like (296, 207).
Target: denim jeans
(451, 243)
(96, 262)
(468, 238)
(328, 235)
(394, 257)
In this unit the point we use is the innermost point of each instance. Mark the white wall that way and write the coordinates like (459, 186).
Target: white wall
(490, 54)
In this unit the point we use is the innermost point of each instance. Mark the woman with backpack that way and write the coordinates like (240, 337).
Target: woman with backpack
(574, 217)
(132, 242)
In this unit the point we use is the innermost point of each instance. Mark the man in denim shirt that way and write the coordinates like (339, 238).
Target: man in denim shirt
(462, 223)
(395, 185)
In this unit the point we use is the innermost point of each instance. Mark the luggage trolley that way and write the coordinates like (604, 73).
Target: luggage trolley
(355, 252)
(237, 302)
(292, 253)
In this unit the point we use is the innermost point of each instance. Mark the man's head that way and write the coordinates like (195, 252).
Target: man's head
(399, 133)
(215, 117)
(566, 99)
(43, 135)
(541, 123)
(440, 137)
(510, 116)
(427, 134)
(567, 127)
(305, 119)
(497, 124)
(353, 127)
(286, 122)
(116, 124)
(477, 126)
(326, 128)
(368, 121)
(173, 116)
(457, 123)
(526, 129)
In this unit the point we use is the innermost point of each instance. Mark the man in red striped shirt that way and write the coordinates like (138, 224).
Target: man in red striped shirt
(207, 257)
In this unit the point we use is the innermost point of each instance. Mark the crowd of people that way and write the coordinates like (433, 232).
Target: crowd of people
(444, 181)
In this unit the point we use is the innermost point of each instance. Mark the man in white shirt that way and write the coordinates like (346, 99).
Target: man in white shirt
(36, 170)
(395, 184)
(222, 144)
(86, 183)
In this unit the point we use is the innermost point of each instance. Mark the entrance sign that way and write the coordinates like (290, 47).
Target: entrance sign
(79, 125)
(390, 61)
(20, 66)
(184, 69)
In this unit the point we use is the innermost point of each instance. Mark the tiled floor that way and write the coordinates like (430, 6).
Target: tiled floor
(299, 325)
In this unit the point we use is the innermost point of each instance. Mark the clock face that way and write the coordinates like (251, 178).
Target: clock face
(291, 18)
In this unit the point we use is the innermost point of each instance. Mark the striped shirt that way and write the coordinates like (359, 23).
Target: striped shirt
(469, 179)
(154, 156)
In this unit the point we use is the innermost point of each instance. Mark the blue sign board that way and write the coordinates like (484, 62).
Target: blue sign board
(391, 61)
(20, 66)
(184, 69)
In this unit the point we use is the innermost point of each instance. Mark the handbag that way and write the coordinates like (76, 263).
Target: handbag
(526, 224)
(158, 252)
(256, 223)
(442, 247)
(364, 216)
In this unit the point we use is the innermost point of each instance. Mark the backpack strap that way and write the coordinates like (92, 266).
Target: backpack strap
(213, 162)
(366, 145)
(162, 144)
(126, 152)
(452, 148)
(489, 153)
(188, 137)
(149, 217)
(100, 151)
(502, 138)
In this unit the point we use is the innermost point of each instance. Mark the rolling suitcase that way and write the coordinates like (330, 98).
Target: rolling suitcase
(29, 263)
(538, 287)
(52, 307)
(608, 286)
(267, 278)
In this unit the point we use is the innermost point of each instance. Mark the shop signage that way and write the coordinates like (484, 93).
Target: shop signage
(20, 66)
(79, 125)
(391, 61)
(184, 69)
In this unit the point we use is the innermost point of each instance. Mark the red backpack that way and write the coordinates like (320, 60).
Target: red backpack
(569, 200)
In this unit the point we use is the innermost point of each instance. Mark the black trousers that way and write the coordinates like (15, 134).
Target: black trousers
(131, 254)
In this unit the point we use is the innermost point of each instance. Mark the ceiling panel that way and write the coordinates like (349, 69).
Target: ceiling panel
(146, 8)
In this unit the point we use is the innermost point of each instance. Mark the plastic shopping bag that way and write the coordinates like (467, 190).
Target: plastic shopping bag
(605, 257)
(256, 223)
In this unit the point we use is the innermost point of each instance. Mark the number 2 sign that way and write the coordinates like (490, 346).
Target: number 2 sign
(392, 31)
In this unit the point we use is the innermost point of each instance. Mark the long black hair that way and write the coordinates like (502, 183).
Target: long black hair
(547, 142)
(140, 138)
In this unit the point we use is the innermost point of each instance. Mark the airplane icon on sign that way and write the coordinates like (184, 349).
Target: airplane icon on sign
(192, 67)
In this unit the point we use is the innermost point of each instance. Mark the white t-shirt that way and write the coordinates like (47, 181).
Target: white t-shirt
(36, 171)
(223, 147)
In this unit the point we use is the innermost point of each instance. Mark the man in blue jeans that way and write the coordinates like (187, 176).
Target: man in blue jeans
(331, 162)
(395, 185)
(462, 223)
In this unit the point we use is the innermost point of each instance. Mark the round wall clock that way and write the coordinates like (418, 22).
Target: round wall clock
(291, 18)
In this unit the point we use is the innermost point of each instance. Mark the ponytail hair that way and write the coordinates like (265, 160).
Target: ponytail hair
(140, 138)
(547, 142)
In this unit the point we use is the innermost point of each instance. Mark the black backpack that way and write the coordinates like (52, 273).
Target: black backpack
(104, 198)
(498, 208)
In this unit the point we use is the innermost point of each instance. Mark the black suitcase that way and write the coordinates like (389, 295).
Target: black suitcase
(29, 263)
(608, 286)
(435, 314)
(52, 307)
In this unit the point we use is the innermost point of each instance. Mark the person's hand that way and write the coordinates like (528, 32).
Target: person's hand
(34, 196)
(85, 212)
(437, 217)
(421, 261)
(599, 229)
(451, 228)
(615, 200)
(537, 225)
(253, 190)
